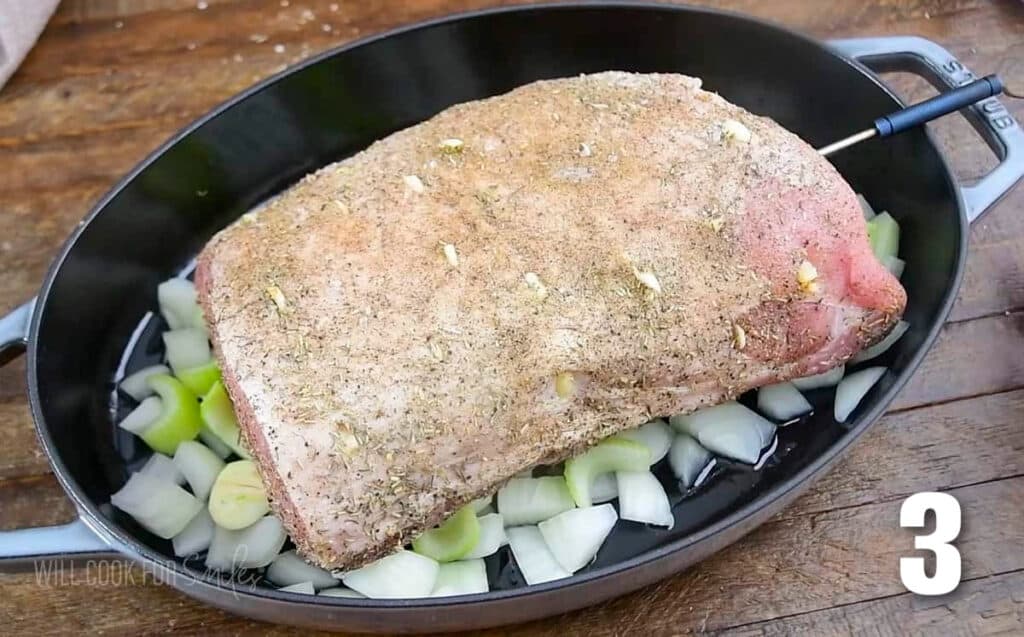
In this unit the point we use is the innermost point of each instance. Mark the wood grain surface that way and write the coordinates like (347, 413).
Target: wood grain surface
(111, 79)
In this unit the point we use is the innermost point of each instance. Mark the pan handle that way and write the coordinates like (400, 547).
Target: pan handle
(989, 117)
(72, 541)
(14, 332)
(48, 546)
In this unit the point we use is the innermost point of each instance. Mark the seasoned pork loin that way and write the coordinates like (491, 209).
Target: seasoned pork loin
(516, 279)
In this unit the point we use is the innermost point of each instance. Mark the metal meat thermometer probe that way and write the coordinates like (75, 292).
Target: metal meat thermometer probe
(926, 111)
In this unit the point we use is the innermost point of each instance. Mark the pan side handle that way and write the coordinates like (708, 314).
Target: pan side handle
(46, 546)
(14, 332)
(989, 117)
(48, 549)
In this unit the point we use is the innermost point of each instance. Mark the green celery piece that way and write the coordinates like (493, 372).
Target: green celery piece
(200, 379)
(611, 454)
(453, 539)
(179, 420)
(884, 234)
(218, 416)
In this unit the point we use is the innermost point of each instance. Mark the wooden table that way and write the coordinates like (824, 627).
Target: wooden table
(111, 79)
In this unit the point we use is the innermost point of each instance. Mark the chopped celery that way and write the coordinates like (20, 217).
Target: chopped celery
(200, 379)
(218, 416)
(179, 418)
(884, 234)
(613, 454)
(238, 498)
(453, 539)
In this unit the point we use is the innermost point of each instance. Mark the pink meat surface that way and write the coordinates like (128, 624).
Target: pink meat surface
(391, 328)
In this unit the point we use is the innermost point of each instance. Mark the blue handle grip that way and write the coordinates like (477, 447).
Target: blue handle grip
(941, 104)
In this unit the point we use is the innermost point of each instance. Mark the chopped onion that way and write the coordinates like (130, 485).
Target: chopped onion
(163, 468)
(574, 537)
(451, 540)
(530, 500)
(869, 212)
(199, 466)
(143, 416)
(853, 389)
(251, 547)
(492, 536)
(655, 435)
(643, 499)
(238, 498)
(178, 304)
(824, 379)
(767, 453)
(288, 569)
(895, 265)
(186, 348)
(611, 454)
(533, 557)
(303, 588)
(882, 346)
(480, 504)
(136, 386)
(196, 537)
(604, 488)
(341, 591)
(729, 429)
(215, 444)
(402, 575)
(782, 401)
(461, 578)
(688, 459)
(161, 507)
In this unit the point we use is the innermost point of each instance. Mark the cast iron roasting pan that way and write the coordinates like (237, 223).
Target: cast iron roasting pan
(83, 330)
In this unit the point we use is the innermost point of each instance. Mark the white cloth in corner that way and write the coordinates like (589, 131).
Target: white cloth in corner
(21, 22)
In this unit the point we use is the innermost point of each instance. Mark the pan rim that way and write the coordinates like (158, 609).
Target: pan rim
(125, 543)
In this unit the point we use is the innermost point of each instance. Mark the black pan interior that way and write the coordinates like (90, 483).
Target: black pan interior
(159, 218)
